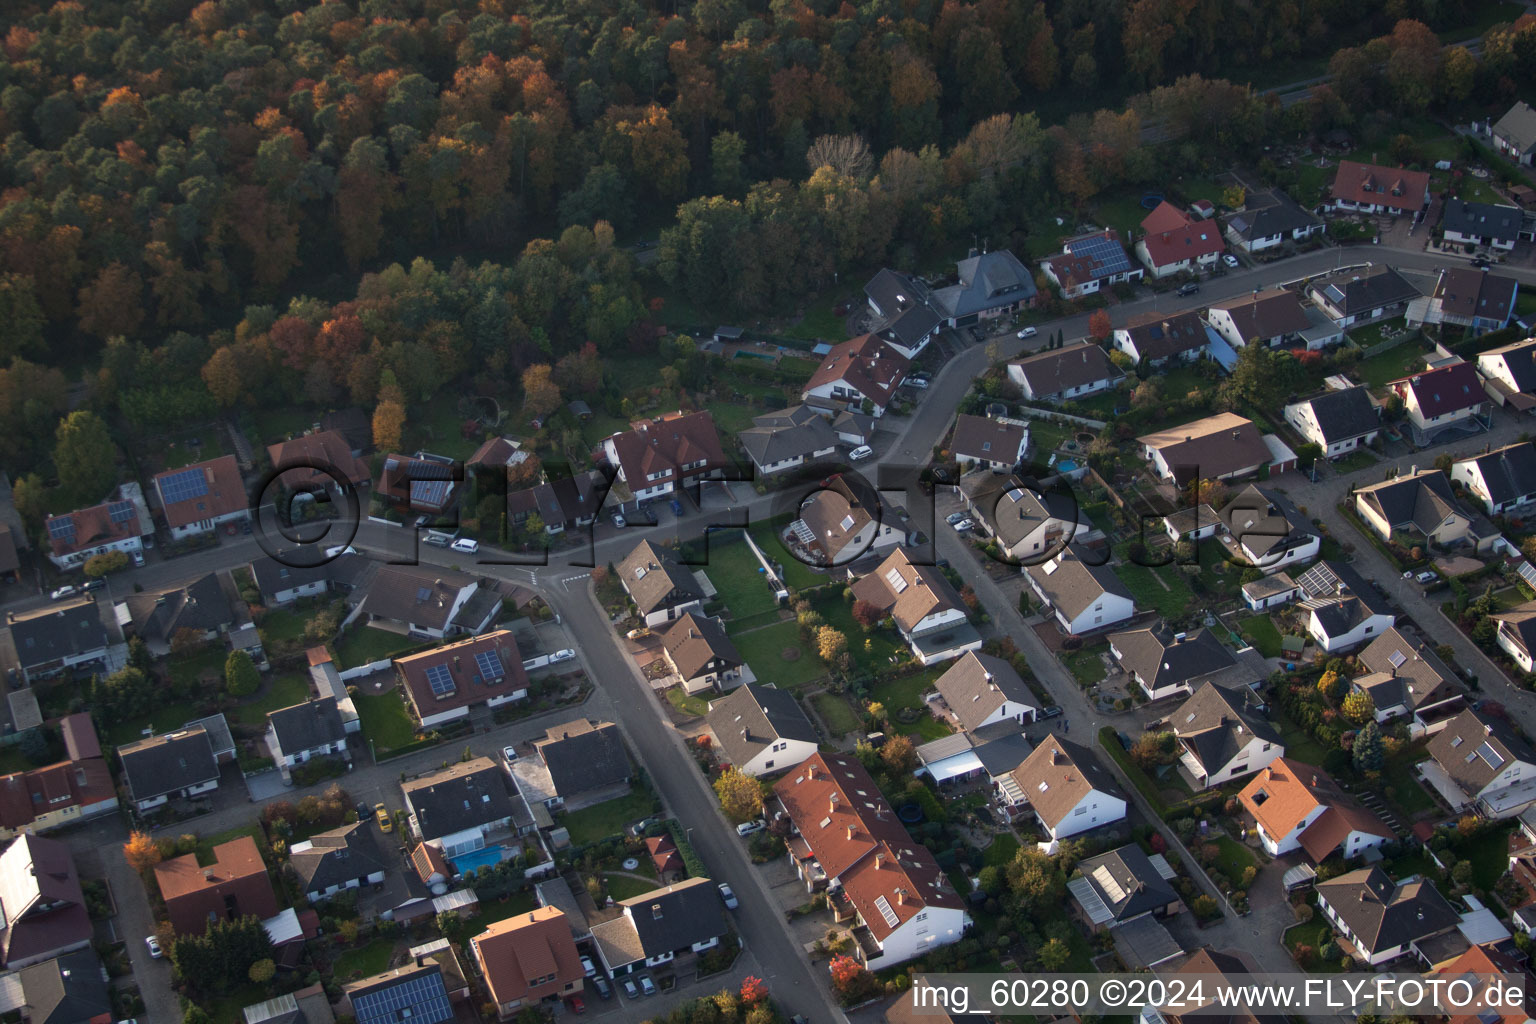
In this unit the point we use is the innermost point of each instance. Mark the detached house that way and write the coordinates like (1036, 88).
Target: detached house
(44, 913)
(203, 496)
(1381, 918)
(337, 860)
(1517, 634)
(1296, 806)
(1066, 789)
(177, 764)
(564, 503)
(576, 764)
(1358, 297)
(1479, 763)
(1126, 893)
(1163, 338)
(460, 809)
(1172, 241)
(528, 959)
(77, 633)
(1168, 664)
(662, 589)
(1420, 506)
(235, 885)
(1268, 530)
(444, 683)
(864, 369)
(701, 655)
(1027, 525)
(1467, 223)
(80, 787)
(421, 992)
(430, 601)
(1502, 479)
(927, 609)
(847, 839)
(317, 461)
(659, 926)
(1221, 736)
(988, 443)
(905, 308)
(1367, 188)
(1509, 374)
(1338, 422)
(1084, 597)
(1473, 299)
(1405, 678)
(658, 456)
(989, 285)
(1514, 134)
(201, 608)
(303, 732)
(1269, 220)
(787, 439)
(76, 537)
(761, 730)
(1088, 262)
(838, 524)
(1343, 610)
(979, 690)
(1221, 447)
(420, 484)
(1270, 319)
(281, 583)
(1065, 374)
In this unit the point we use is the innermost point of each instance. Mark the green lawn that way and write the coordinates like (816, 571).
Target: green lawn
(1489, 854)
(623, 887)
(608, 818)
(364, 961)
(283, 624)
(197, 666)
(1122, 211)
(1313, 933)
(835, 712)
(282, 692)
(361, 645)
(819, 322)
(688, 705)
(873, 651)
(162, 719)
(1298, 743)
(907, 692)
(1170, 600)
(205, 844)
(797, 575)
(1393, 364)
(280, 421)
(764, 649)
(519, 902)
(435, 428)
(1360, 458)
(1233, 858)
(738, 576)
(1087, 666)
(178, 454)
(385, 720)
(1261, 632)
(1001, 851)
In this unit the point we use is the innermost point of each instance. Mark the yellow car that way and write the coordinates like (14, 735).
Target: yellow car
(381, 815)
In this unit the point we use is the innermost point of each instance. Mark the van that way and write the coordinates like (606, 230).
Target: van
(465, 545)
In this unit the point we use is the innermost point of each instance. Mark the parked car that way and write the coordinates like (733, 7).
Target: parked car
(638, 634)
(1190, 288)
(1054, 711)
(728, 896)
(604, 990)
(89, 585)
(964, 526)
(1028, 332)
(1428, 576)
(955, 517)
(381, 815)
(629, 989)
(640, 827)
(619, 520)
(677, 507)
(465, 545)
(562, 655)
(863, 451)
(747, 828)
(138, 559)
(647, 985)
(576, 1004)
(436, 540)
(155, 952)
(509, 753)
(68, 590)
(921, 383)
(1230, 261)
(588, 968)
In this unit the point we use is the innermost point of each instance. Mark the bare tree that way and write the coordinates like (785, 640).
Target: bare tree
(845, 154)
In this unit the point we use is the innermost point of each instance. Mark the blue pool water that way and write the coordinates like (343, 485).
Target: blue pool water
(479, 859)
(1065, 465)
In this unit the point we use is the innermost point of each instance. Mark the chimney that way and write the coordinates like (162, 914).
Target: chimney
(1314, 780)
(810, 770)
(656, 911)
(744, 732)
(879, 859)
(832, 804)
(1362, 895)
(901, 896)
(850, 831)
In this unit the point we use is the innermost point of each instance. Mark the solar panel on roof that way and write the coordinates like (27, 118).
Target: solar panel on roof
(884, 906)
(1528, 573)
(121, 511)
(1492, 758)
(62, 528)
(421, 1000)
(429, 492)
(183, 486)
(490, 664)
(441, 680)
(1110, 255)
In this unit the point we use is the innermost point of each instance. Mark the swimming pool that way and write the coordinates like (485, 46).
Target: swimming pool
(1065, 466)
(483, 858)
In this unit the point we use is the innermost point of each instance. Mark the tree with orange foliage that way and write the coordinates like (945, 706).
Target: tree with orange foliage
(1099, 326)
(541, 396)
(753, 990)
(848, 976)
(388, 424)
(113, 303)
(141, 851)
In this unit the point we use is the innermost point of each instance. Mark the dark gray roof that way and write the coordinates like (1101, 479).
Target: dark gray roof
(1520, 357)
(1404, 672)
(420, 594)
(463, 796)
(59, 631)
(1476, 294)
(167, 763)
(1127, 882)
(895, 292)
(1382, 913)
(976, 685)
(1518, 125)
(1355, 293)
(305, 726)
(1001, 754)
(416, 992)
(1423, 500)
(70, 989)
(1280, 217)
(273, 577)
(584, 755)
(754, 716)
(1056, 370)
(1217, 722)
(655, 580)
(1486, 219)
(1340, 616)
(1163, 658)
(339, 856)
(1344, 414)
(787, 433)
(1474, 749)
(910, 328)
(1509, 472)
(1266, 522)
(1159, 336)
(677, 916)
(199, 606)
(1332, 579)
(987, 281)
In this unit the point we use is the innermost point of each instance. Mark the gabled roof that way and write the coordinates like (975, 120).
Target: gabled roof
(67, 990)
(1285, 792)
(1520, 358)
(583, 755)
(200, 606)
(305, 726)
(420, 594)
(665, 445)
(107, 523)
(1486, 219)
(1336, 579)
(981, 437)
(652, 576)
(1019, 510)
(1344, 414)
(1090, 257)
(1474, 966)
(1393, 188)
(273, 577)
(1475, 749)
(317, 460)
(833, 515)
(425, 484)
(1423, 500)
(1264, 315)
(753, 717)
(798, 431)
(908, 593)
(463, 796)
(500, 453)
(57, 631)
(1445, 390)
(661, 921)
(519, 949)
(976, 685)
(1126, 882)
(1508, 473)
(1339, 616)
(1281, 217)
(896, 293)
(1216, 724)
(1172, 236)
(1382, 913)
(337, 856)
(1218, 445)
(415, 992)
(41, 906)
(462, 673)
(169, 762)
(1164, 658)
(1265, 521)
(1518, 125)
(694, 641)
(867, 364)
(1073, 585)
(1404, 673)
(1520, 622)
(1209, 1008)
(1061, 369)
(1353, 293)
(203, 490)
(1162, 335)
(1058, 774)
(1335, 825)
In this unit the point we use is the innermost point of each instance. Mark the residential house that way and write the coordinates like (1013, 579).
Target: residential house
(458, 809)
(842, 521)
(927, 609)
(699, 653)
(905, 309)
(1088, 262)
(1517, 634)
(1216, 971)
(76, 537)
(906, 1011)
(1509, 374)
(422, 484)
(566, 502)
(1221, 447)
(1065, 374)
(1419, 506)
(42, 903)
(657, 457)
(787, 439)
(444, 683)
(321, 460)
(1486, 967)
(1163, 338)
(75, 789)
(1173, 242)
(1267, 529)
(1269, 219)
(584, 762)
(1338, 422)
(1381, 918)
(657, 927)
(845, 837)
(1362, 296)
(1269, 319)
(1514, 134)
(505, 457)
(1343, 610)
(1502, 479)
(1406, 679)
(1296, 806)
(337, 860)
(1271, 592)
(174, 765)
(861, 374)
(200, 609)
(233, 886)
(760, 729)
(430, 601)
(1494, 225)
(988, 443)
(661, 588)
(1196, 523)
(327, 682)
(1084, 597)
(1221, 735)
(1481, 763)
(1168, 664)
(1115, 888)
(419, 992)
(281, 583)
(303, 732)
(308, 1005)
(1027, 525)
(71, 989)
(1472, 299)
(202, 497)
(988, 285)
(77, 633)
(1367, 188)
(528, 959)
(1066, 789)
(979, 690)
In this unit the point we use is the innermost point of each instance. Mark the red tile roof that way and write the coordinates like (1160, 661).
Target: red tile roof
(664, 445)
(1476, 964)
(469, 685)
(93, 528)
(192, 893)
(324, 448)
(514, 951)
(1172, 236)
(866, 364)
(1393, 188)
(664, 854)
(226, 492)
(81, 781)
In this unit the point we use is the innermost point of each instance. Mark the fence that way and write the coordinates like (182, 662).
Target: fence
(1391, 343)
(1033, 413)
(358, 671)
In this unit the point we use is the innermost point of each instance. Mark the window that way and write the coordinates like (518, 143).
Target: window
(768, 765)
(1080, 809)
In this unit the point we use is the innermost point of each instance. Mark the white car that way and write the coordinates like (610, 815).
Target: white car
(587, 967)
(339, 550)
(728, 896)
(964, 526)
(1428, 576)
(1230, 261)
(619, 520)
(510, 753)
(921, 383)
(465, 545)
(155, 952)
(647, 985)
(748, 828)
(863, 451)
(564, 655)
(1028, 332)
(138, 559)
(63, 592)
(955, 517)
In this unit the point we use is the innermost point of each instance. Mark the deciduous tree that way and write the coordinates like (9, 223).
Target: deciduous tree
(899, 755)
(85, 456)
(830, 642)
(1358, 707)
(141, 851)
(541, 396)
(1099, 326)
(388, 425)
(241, 678)
(740, 795)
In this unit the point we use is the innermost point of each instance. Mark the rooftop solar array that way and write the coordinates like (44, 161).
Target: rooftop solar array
(884, 906)
(1528, 573)
(1108, 254)
(419, 1000)
(183, 486)
(441, 680)
(121, 512)
(1492, 758)
(62, 528)
(1318, 580)
(430, 492)
(490, 665)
